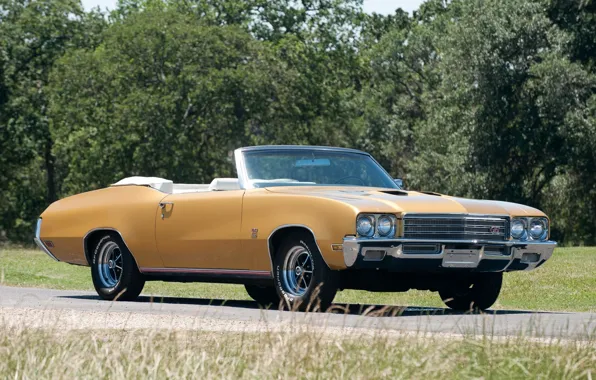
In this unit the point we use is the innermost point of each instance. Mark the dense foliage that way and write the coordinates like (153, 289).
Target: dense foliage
(478, 98)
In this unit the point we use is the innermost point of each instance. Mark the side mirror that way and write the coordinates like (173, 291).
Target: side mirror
(399, 182)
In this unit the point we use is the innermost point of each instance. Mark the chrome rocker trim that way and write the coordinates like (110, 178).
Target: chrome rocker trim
(354, 250)
(216, 271)
(40, 243)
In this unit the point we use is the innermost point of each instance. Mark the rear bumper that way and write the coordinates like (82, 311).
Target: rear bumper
(40, 243)
(444, 255)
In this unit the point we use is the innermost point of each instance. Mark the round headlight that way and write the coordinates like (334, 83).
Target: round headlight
(518, 229)
(365, 226)
(537, 228)
(384, 225)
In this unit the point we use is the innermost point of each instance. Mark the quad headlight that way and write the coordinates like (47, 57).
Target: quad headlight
(384, 225)
(365, 225)
(518, 228)
(529, 228)
(538, 228)
(376, 225)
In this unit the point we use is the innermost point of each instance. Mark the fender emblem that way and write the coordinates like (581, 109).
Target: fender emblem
(254, 233)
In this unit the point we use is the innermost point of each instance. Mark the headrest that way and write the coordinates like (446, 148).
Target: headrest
(163, 185)
(222, 184)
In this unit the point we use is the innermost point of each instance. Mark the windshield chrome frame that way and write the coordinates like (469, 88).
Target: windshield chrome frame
(245, 183)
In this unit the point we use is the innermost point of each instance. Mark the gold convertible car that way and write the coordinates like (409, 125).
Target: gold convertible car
(297, 225)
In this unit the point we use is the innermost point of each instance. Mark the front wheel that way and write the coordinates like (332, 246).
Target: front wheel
(474, 293)
(302, 278)
(114, 271)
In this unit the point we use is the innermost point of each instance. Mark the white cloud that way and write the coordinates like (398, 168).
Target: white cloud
(389, 6)
(378, 6)
(110, 4)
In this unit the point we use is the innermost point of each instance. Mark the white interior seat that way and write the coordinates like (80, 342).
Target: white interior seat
(223, 184)
(181, 188)
(168, 187)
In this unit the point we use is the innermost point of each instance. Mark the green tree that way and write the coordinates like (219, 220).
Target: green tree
(169, 93)
(578, 18)
(480, 98)
(508, 90)
(402, 78)
(163, 95)
(34, 34)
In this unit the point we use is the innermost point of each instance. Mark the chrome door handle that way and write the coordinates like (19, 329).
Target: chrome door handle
(163, 205)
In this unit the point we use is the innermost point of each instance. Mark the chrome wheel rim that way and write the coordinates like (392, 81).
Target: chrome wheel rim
(110, 265)
(297, 271)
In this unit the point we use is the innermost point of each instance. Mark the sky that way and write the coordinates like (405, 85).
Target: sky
(378, 6)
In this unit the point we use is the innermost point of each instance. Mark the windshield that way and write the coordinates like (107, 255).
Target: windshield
(311, 167)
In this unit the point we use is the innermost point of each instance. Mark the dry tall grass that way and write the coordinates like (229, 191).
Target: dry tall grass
(150, 354)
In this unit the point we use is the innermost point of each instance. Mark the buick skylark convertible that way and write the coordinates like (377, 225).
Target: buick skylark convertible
(297, 225)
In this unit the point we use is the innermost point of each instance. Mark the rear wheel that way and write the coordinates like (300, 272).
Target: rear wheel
(474, 293)
(114, 271)
(265, 296)
(302, 279)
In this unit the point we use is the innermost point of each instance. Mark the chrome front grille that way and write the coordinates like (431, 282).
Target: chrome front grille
(455, 227)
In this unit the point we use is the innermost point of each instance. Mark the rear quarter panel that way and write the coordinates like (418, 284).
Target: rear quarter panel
(128, 209)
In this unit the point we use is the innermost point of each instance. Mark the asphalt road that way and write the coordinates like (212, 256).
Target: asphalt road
(158, 312)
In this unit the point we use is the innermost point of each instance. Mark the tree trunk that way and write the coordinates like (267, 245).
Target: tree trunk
(50, 172)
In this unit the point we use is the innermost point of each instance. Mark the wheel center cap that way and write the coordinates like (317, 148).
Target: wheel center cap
(111, 264)
(298, 271)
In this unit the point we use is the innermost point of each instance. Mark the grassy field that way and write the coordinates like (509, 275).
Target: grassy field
(148, 354)
(566, 282)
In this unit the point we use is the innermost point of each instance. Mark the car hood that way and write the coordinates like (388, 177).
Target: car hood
(378, 200)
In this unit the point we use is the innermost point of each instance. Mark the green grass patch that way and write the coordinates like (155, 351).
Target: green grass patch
(565, 282)
(149, 354)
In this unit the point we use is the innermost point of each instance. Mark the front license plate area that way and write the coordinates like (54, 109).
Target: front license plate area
(461, 257)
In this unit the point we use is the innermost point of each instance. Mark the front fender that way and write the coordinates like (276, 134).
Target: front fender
(329, 221)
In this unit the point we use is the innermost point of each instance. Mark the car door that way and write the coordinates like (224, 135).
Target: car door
(200, 230)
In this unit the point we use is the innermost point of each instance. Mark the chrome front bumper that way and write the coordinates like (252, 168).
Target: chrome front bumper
(473, 255)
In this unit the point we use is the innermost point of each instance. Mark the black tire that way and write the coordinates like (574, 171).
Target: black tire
(111, 283)
(265, 296)
(473, 293)
(316, 290)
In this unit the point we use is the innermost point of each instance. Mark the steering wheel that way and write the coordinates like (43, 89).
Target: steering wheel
(348, 177)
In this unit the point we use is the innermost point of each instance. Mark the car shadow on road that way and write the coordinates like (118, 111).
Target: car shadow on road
(338, 308)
